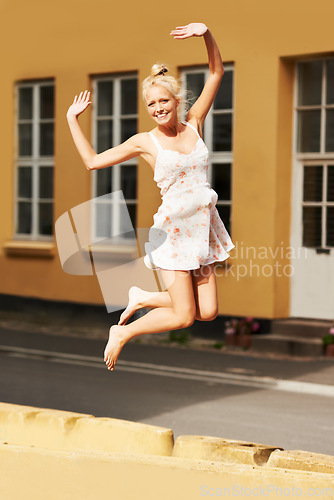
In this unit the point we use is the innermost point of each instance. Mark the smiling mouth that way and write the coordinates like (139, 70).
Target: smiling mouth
(160, 117)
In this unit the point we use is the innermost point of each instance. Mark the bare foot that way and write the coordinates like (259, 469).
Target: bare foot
(136, 295)
(114, 346)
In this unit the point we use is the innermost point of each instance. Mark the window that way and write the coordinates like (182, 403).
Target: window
(314, 149)
(217, 134)
(115, 120)
(34, 160)
(318, 205)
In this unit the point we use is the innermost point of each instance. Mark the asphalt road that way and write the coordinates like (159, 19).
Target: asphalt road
(279, 402)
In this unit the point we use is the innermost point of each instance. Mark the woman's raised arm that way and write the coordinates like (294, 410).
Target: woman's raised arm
(200, 108)
(92, 160)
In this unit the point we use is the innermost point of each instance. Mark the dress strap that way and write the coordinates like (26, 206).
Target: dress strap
(155, 140)
(192, 126)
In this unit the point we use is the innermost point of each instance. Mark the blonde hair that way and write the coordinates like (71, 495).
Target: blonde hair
(158, 77)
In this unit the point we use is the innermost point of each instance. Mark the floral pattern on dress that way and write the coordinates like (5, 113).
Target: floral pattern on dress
(187, 232)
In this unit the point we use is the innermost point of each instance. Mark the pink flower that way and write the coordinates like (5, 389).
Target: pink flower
(230, 331)
(255, 326)
(331, 330)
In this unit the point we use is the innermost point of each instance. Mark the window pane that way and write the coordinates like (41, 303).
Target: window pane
(25, 139)
(224, 212)
(221, 180)
(129, 97)
(103, 220)
(330, 183)
(330, 130)
(312, 226)
(46, 182)
(105, 98)
(132, 209)
(24, 217)
(310, 80)
(125, 231)
(104, 135)
(25, 182)
(195, 84)
(330, 227)
(129, 181)
(46, 139)
(45, 222)
(104, 181)
(223, 98)
(25, 103)
(47, 102)
(313, 183)
(330, 82)
(222, 132)
(308, 131)
(128, 128)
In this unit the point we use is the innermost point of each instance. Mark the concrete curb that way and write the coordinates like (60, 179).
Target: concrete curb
(302, 460)
(222, 450)
(62, 455)
(62, 430)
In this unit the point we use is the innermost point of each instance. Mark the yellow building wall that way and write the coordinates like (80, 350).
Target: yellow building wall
(71, 41)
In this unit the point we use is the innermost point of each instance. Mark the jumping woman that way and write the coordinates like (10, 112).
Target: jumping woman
(188, 235)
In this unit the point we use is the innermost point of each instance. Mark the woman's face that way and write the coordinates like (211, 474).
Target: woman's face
(161, 105)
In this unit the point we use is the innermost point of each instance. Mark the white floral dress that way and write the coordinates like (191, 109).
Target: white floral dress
(187, 232)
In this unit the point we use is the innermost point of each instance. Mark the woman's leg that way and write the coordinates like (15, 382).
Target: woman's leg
(205, 292)
(180, 315)
(139, 298)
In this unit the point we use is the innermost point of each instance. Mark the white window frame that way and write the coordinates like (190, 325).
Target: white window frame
(35, 161)
(215, 157)
(116, 140)
(322, 158)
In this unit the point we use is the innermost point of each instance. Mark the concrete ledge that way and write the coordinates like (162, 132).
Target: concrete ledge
(302, 460)
(303, 327)
(37, 474)
(222, 450)
(51, 454)
(62, 430)
(112, 435)
(291, 346)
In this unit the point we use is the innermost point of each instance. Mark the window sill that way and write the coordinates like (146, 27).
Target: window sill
(325, 251)
(122, 252)
(45, 249)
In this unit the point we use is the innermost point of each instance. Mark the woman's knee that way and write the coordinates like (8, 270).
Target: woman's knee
(187, 317)
(208, 314)
(188, 321)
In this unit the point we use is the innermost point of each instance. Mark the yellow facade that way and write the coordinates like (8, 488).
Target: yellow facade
(73, 41)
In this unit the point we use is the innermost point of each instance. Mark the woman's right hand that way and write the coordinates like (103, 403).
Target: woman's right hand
(79, 104)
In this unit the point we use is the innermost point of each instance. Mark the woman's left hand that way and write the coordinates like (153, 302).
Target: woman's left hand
(192, 29)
